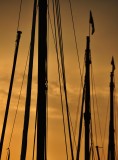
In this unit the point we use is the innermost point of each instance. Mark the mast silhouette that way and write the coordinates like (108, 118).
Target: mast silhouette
(10, 91)
(29, 84)
(86, 99)
(42, 81)
(111, 145)
(87, 114)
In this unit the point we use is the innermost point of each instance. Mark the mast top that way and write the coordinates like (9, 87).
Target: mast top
(113, 65)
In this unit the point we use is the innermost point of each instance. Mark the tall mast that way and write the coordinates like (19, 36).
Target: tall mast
(111, 145)
(87, 114)
(42, 80)
(10, 91)
(29, 84)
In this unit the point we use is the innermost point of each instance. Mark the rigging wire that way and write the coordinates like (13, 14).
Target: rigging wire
(81, 116)
(105, 129)
(78, 107)
(62, 55)
(59, 71)
(74, 140)
(94, 117)
(92, 144)
(97, 110)
(18, 101)
(76, 41)
(19, 15)
(77, 51)
(34, 135)
(94, 108)
(58, 14)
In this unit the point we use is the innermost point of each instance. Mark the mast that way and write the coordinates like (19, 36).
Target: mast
(87, 114)
(10, 91)
(29, 84)
(42, 80)
(111, 145)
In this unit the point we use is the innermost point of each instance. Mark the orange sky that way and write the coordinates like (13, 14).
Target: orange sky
(103, 47)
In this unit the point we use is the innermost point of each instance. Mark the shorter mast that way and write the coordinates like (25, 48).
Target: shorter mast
(86, 96)
(87, 114)
(10, 91)
(111, 145)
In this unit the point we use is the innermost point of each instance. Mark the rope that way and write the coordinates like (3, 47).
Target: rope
(77, 112)
(94, 109)
(105, 129)
(76, 45)
(59, 73)
(92, 144)
(77, 115)
(8, 157)
(75, 41)
(63, 69)
(34, 135)
(19, 15)
(18, 101)
(97, 109)
(77, 51)
(74, 139)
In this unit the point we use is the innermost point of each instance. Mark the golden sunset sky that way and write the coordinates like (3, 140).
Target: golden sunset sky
(104, 45)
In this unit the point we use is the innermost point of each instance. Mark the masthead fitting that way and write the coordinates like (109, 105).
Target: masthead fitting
(113, 64)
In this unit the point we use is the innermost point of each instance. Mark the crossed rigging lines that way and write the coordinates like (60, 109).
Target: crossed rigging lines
(72, 156)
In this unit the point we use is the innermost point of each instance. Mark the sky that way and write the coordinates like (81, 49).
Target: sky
(103, 47)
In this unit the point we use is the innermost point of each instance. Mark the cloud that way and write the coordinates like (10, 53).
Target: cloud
(4, 88)
(53, 113)
(3, 92)
(54, 89)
